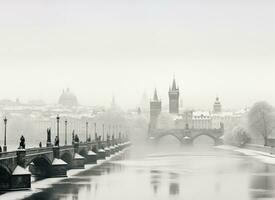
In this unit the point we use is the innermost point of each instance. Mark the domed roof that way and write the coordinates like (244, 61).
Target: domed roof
(68, 99)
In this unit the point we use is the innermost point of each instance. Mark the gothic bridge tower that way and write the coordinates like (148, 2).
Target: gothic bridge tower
(174, 98)
(155, 110)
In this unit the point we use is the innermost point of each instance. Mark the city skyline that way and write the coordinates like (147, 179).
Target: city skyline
(96, 86)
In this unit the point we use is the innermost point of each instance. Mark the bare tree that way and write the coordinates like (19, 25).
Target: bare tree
(261, 120)
(240, 136)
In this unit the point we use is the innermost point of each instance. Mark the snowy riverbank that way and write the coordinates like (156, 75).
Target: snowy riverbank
(264, 157)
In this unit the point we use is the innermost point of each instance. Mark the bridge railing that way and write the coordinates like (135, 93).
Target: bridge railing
(4, 155)
(66, 147)
(38, 150)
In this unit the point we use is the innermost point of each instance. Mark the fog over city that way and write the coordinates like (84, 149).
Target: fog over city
(137, 99)
(123, 48)
(96, 85)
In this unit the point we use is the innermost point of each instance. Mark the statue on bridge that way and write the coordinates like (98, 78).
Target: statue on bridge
(76, 139)
(73, 137)
(49, 140)
(108, 140)
(22, 143)
(56, 141)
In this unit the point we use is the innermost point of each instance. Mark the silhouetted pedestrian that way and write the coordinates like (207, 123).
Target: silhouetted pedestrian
(40, 144)
(0, 149)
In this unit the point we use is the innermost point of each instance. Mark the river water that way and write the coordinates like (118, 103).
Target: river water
(156, 173)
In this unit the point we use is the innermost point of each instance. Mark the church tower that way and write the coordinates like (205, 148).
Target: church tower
(155, 110)
(174, 95)
(217, 107)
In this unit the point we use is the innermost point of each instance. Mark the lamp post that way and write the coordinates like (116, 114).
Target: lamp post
(109, 133)
(57, 127)
(95, 131)
(66, 124)
(103, 132)
(5, 135)
(87, 124)
(119, 134)
(116, 131)
(113, 130)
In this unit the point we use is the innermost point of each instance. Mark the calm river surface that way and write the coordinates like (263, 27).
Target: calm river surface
(169, 174)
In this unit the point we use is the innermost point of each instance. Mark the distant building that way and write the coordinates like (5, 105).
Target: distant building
(201, 120)
(194, 120)
(155, 110)
(174, 98)
(217, 107)
(229, 119)
(190, 119)
(68, 99)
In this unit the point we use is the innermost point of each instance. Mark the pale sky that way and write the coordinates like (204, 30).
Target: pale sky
(125, 47)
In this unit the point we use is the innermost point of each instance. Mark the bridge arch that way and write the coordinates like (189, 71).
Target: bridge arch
(67, 157)
(215, 139)
(170, 134)
(40, 166)
(83, 152)
(5, 174)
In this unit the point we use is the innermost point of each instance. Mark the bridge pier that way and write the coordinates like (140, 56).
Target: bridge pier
(78, 160)
(108, 152)
(112, 150)
(58, 167)
(20, 178)
(91, 157)
(186, 141)
(101, 154)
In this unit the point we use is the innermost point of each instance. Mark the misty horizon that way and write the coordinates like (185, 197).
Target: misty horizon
(100, 49)
(96, 86)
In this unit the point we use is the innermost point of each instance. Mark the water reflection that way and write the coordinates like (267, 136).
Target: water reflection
(262, 181)
(174, 187)
(179, 175)
(155, 180)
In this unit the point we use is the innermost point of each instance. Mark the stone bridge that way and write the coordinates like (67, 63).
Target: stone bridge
(187, 136)
(16, 167)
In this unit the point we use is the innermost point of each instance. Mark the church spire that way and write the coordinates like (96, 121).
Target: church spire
(156, 95)
(174, 85)
(174, 98)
